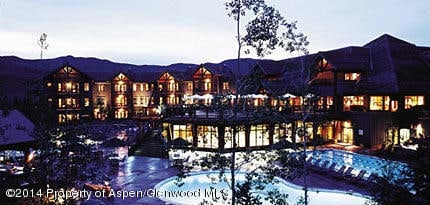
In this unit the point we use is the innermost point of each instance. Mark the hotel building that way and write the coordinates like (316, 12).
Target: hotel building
(364, 95)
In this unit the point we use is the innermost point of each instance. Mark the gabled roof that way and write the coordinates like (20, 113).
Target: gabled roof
(348, 59)
(15, 129)
(271, 67)
(70, 66)
(399, 66)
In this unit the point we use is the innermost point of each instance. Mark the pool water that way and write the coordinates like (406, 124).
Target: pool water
(358, 162)
(201, 186)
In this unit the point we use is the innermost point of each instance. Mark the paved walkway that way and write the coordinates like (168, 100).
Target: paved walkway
(138, 174)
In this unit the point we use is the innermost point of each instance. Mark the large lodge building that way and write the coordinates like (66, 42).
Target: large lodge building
(367, 95)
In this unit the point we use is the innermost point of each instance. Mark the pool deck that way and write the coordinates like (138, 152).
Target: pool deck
(140, 173)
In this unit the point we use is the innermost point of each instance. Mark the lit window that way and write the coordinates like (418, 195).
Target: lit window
(207, 137)
(146, 102)
(141, 86)
(60, 102)
(86, 87)
(208, 85)
(172, 86)
(59, 87)
(387, 103)
(190, 86)
(48, 84)
(329, 101)
(352, 76)
(147, 86)
(259, 135)
(349, 101)
(376, 103)
(86, 102)
(394, 105)
(100, 88)
(225, 86)
(184, 132)
(411, 101)
(134, 87)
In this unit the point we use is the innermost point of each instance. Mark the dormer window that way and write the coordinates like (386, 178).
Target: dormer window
(352, 76)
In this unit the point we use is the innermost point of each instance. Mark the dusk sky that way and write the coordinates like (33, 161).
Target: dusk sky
(193, 31)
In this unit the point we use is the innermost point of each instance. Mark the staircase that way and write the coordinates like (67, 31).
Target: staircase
(151, 145)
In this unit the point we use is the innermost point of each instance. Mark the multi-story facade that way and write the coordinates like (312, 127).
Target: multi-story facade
(364, 95)
(69, 94)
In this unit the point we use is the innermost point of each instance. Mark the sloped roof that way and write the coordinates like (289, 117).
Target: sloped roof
(398, 66)
(348, 59)
(271, 67)
(15, 129)
(293, 76)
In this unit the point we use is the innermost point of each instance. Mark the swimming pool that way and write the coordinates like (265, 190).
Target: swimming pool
(337, 158)
(200, 186)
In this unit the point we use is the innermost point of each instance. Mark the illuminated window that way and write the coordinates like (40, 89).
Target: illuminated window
(259, 135)
(141, 86)
(48, 84)
(86, 102)
(86, 87)
(50, 100)
(207, 137)
(121, 100)
(171, 100)
(320, 103)
(100, 88)
(120, 87)
(208, 85)
(147, 86)
(160, 87)
(184, 132)
(411, 101)
(190, 86)
(349, 101)
(172, 86)
(59, 87)
(134, 87)
(60, 102)
(352, 76)
(394, 105)
(240, 137)
(329, 101)
(135, 101)
(376, 103)
(121, 113)
(225, 86)
(146, 101)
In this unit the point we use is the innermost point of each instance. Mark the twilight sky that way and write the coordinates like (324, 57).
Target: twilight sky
(193, 31)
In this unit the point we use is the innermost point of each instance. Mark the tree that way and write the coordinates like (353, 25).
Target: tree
(43, 44)
(266, 32)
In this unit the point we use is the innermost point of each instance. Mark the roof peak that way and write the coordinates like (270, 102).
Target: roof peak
(387, 38)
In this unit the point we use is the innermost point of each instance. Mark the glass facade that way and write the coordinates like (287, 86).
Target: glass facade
(184, 132)
(259, 135)
(240, 137)
(207, 137)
